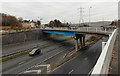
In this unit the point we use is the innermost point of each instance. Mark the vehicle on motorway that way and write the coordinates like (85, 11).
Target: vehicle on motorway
(34, 52)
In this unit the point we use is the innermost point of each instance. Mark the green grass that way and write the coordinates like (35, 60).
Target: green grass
(92, 42)
(14, 57)
(53, 66)
(89, 42)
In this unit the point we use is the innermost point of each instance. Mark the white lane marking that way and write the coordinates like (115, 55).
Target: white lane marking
(22, 62)
(90, 72)
(44, 60)
(30, 71)
(64, 55)
(66, 62)
(86, 58)
(71, 71)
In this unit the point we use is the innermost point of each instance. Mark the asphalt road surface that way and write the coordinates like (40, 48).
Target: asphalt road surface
(20, 64)
(31, 44)
(83, 63)
(27, 45)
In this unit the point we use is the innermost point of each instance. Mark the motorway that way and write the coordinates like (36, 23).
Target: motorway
(22, 63)
(17, 65)
(82, 63)
(31, 44)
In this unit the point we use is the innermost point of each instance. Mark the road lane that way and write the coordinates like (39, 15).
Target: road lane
(18, 63)
(82, 64)
(71, 71)
(23, 60)
(24, 46)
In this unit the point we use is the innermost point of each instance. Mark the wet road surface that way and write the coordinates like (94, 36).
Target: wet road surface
(83, 63)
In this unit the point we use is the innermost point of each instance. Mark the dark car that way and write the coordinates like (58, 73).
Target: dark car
(35, 52)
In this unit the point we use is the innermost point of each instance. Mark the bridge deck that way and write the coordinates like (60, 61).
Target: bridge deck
(72, 32)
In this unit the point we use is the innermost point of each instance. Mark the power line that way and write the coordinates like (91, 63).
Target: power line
(81, 20)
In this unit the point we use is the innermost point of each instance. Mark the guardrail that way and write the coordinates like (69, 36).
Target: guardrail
(102, 65)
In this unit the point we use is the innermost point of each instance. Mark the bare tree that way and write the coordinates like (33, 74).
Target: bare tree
(8, 20)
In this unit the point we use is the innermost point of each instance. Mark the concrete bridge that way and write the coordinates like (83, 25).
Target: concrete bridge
(78, 34)
(103, 62)
(80, 30)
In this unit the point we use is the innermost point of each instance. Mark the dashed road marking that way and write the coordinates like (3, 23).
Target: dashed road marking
(21, 62)
(71, 71)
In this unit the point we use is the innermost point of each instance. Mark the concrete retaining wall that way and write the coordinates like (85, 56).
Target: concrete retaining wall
(18, 37)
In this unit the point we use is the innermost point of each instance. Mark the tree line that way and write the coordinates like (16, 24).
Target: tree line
(8, 20)
(115, 23)
(57, 23)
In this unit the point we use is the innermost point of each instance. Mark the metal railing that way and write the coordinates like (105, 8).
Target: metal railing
(83, 29)
(103, 62)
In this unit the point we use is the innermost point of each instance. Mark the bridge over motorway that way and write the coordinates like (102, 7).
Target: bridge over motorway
(103, 62)
(80, 30)
(78, 34)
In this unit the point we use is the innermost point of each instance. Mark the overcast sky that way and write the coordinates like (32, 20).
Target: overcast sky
(67, 11)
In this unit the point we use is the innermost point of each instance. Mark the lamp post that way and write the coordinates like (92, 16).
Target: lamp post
(81, 15)
(89, 14)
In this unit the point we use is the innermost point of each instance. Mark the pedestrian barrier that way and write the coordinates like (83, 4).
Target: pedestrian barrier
(81, 29)
(102, 65)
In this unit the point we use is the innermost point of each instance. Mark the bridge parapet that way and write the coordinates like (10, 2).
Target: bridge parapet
(93, 30)
(102, 65)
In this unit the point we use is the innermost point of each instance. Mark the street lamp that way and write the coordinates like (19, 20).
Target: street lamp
(89, 14)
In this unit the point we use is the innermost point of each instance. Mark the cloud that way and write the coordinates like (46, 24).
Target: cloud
(59, 1)
(61, 10)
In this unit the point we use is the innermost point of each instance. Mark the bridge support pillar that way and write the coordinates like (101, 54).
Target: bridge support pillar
(76, 45)
(83, 40)
(79, 41)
